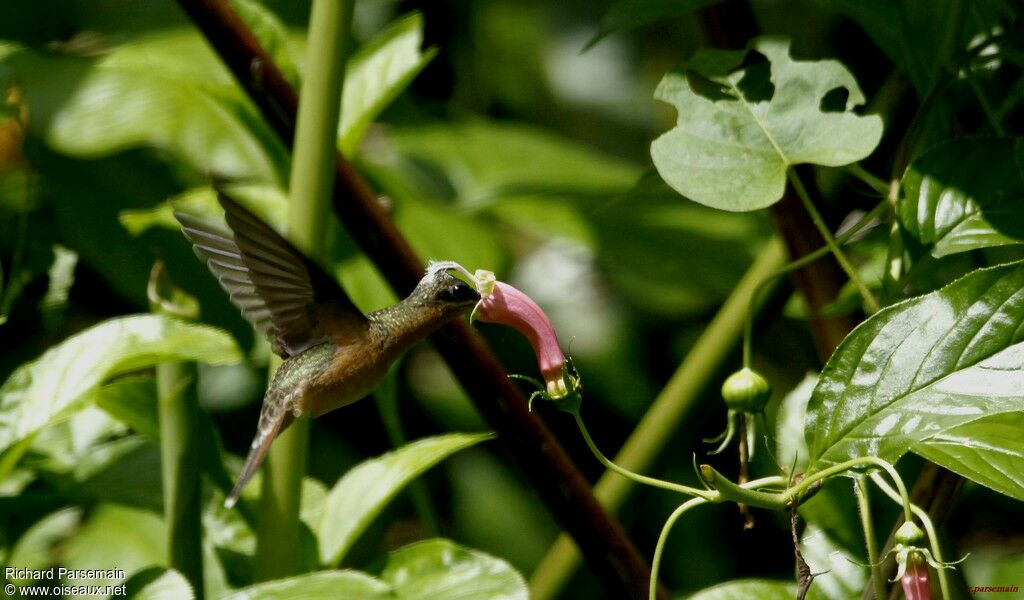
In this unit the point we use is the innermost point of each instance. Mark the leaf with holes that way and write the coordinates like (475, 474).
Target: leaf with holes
(965, 194)
(922, 367)
(742, 123)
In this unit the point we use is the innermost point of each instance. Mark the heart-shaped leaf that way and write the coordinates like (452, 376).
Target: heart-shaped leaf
(55, 384)
(426, 570)
(921, 367)
(989, 450)
(965, 194)
(743, 123)
(365, 490)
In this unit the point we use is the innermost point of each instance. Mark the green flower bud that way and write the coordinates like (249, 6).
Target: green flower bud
(909, 534)
(746, 390)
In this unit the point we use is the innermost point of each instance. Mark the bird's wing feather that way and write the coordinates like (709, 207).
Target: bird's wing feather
(282, 293)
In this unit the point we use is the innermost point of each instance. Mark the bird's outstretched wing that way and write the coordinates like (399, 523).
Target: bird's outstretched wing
(282, 293)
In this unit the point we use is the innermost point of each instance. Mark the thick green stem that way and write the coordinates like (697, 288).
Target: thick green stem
(643, 479)
(663, 419)
(312, 179)
(864, 508)
(869, 299)
(178, 409)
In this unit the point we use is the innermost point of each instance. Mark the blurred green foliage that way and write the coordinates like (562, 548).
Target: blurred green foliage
(512, 136)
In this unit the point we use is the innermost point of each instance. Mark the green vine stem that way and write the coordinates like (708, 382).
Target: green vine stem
(642, 479)
(662, 420)
(659, 549)
(733, 492)
(801, 262)
(870, 302)
(929, 529)
(312, 179)
(864, 508)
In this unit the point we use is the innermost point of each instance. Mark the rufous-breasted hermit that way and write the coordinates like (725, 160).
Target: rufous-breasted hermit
(333, 353)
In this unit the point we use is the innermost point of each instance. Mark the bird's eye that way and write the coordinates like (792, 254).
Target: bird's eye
(459, 292)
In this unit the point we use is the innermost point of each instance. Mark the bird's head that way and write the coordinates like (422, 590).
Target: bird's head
(440, 289)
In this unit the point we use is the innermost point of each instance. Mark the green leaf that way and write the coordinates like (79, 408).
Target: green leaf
(630, 14)
(965, 194)
(132, 401)
(791, 450)
(489, 161)
(427, 570)
(62, 277)
(989, 451)
(744, 589)
(921, 367)
(160, 101)
(325, 585)
(741, 127)
(35, 549)
(440, 568)
(377, 73)
(365, 490)
(55, 384)
(842, 575)
(920, 37)
(158, 583)
(272, 35)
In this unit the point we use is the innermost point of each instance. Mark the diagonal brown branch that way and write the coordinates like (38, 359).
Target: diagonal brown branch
(552, 473)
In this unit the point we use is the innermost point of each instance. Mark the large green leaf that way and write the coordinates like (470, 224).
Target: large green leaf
(205, 122)
(741, 127)
(744, 589)
(56, 383)
(364, 491)
(921, 367)
(989, 450)
(439, 568)
(427, 570)
(325, 585)
(377, 74)
(965, 194)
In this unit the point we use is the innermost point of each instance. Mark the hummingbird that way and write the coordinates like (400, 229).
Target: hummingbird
(333, 353)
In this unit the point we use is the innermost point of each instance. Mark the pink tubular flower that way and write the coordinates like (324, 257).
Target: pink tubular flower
(506, 305)
(915, 579)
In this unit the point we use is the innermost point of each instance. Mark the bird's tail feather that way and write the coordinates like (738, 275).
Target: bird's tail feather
(266, 432)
